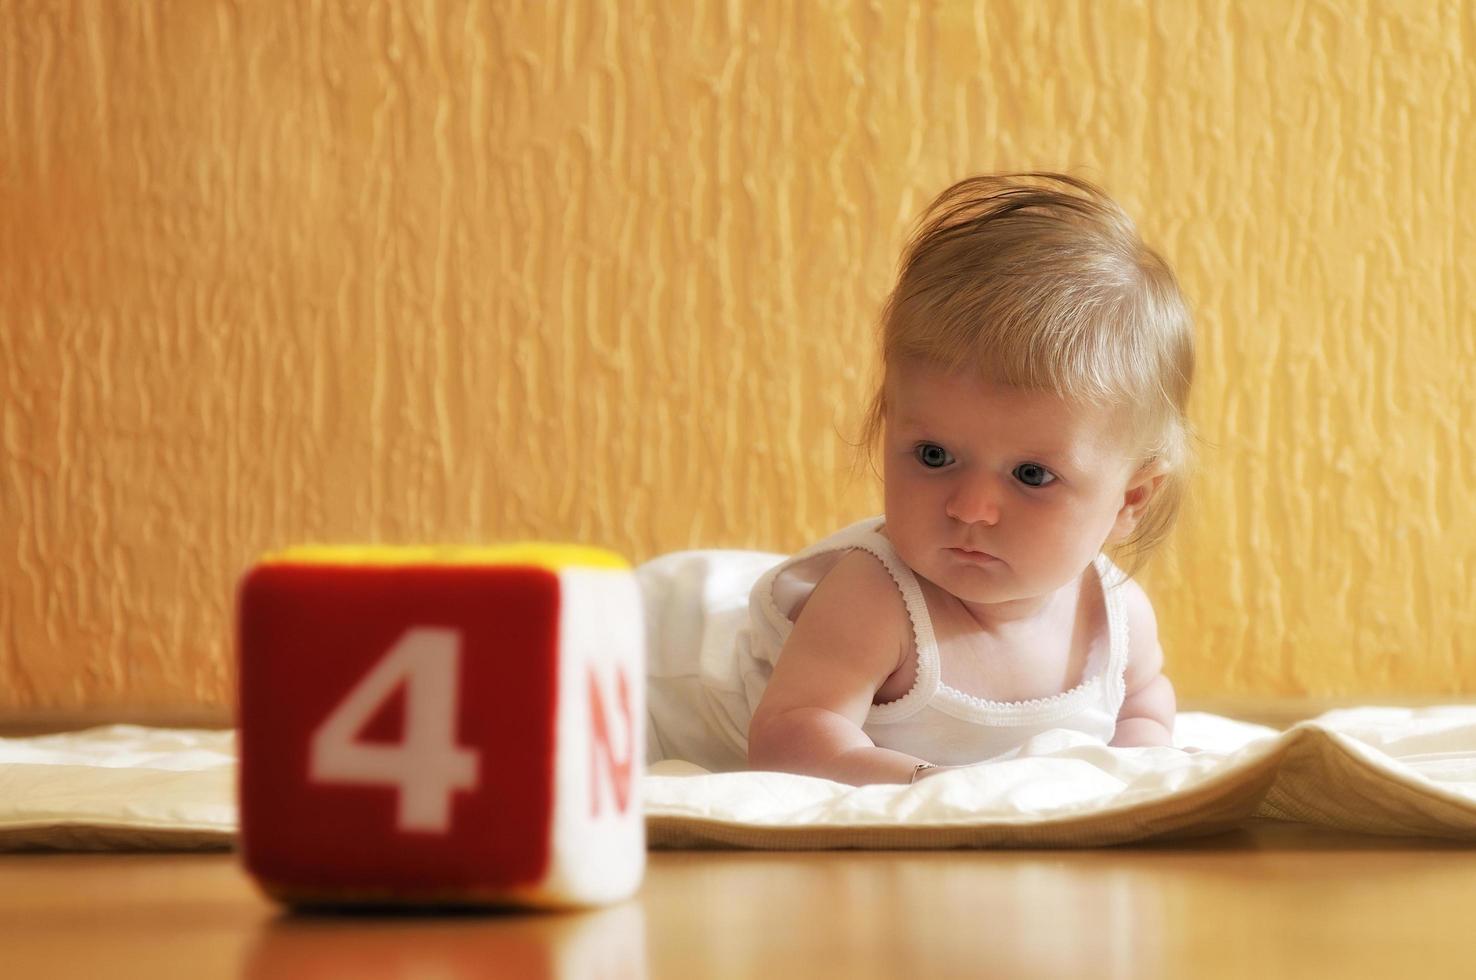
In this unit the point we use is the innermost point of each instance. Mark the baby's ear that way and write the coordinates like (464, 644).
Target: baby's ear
(1141, 487)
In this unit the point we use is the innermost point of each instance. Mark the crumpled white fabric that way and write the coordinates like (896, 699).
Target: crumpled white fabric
(119, 787)
(1377, 770)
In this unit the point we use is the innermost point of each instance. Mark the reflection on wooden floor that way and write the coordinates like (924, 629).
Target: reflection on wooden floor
(1270, 899)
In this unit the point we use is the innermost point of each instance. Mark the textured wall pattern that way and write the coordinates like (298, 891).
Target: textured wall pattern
(275, 273)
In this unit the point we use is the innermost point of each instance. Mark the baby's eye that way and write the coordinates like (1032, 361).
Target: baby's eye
(932, 455)
(1034, 475)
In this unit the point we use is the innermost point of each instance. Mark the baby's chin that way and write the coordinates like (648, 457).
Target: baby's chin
(987, 584)
(984, 596)
(984, 584)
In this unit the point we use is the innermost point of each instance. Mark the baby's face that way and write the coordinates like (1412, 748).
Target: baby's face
(1032, 481)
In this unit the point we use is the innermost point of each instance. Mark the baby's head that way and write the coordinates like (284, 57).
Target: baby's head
(1036, 365)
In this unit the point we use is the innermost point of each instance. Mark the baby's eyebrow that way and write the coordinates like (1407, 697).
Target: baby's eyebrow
(913, 428)
(1063, 455)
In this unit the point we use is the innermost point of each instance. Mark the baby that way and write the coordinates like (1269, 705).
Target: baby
(1036, 365)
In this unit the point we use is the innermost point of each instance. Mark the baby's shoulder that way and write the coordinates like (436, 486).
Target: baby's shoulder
(858, 596)
(858, 580)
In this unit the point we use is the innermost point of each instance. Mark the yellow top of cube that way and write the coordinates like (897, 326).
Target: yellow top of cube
(536, 554)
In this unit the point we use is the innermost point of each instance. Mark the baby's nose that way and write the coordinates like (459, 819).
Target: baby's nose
(975, 502)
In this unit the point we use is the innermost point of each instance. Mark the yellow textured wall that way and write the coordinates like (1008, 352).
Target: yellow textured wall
(283, 272)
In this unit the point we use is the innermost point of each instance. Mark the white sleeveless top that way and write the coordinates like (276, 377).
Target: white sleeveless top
(933, 721)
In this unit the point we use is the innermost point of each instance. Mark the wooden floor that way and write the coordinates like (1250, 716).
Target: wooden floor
(1270, 900)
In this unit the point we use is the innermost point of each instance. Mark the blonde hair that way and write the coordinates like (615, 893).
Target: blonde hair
(1040, 280)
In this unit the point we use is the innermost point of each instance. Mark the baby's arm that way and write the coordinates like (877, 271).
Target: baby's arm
(849, 638)
(1147, 715)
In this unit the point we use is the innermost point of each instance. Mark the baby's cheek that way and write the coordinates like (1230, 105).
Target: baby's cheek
(1053, 552)
(911, 556)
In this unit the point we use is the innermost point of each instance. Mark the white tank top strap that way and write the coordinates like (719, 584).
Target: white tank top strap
(925, 682)
(864, 535)
(1112, 578)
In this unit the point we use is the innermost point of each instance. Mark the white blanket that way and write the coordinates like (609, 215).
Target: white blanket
(1393, 771)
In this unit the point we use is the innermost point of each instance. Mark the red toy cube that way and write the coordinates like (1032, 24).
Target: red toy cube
(457, 726)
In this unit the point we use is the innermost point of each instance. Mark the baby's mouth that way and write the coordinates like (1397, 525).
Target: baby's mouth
(974, 556)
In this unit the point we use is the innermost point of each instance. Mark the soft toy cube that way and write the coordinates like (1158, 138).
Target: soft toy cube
(442, 726)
